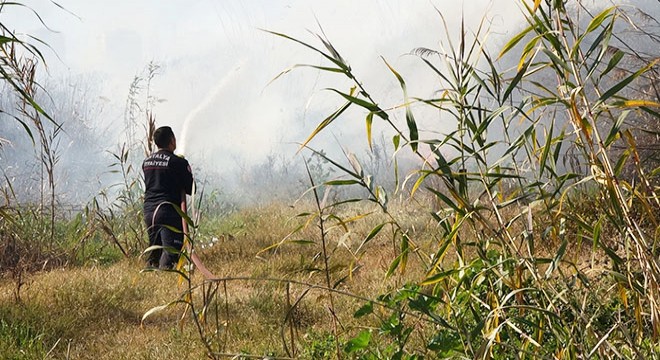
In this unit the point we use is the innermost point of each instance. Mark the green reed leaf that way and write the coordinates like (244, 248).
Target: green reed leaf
(410, 118)
(557, 258)
(546, 150)
(623, 83)
(372, 234)
(393, 266)
(516, 80)
(339, 63)
(5, 39)
(396, 140)
(437, 277)
(614, 61)
(412, 128)
(599, 19)
(327, 121)
(456, 207)
(557, 60)
(360, 102)
(514, 40)
(366, 309)
(341, 182)
(614, 130)
(602, 41)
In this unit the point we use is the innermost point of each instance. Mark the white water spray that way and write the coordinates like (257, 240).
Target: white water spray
(204, 104)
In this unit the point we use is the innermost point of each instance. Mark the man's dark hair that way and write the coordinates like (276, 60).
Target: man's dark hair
(162, 136)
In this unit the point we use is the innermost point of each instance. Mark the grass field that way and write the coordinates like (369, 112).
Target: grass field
(95, 311)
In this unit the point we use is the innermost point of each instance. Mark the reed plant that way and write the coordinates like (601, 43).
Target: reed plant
(543, 247)
(530, 189)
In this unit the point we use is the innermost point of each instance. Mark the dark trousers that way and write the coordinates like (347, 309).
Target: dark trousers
(165, 229)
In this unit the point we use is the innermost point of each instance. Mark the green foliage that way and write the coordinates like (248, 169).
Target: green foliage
(318, 346)
(19, 341)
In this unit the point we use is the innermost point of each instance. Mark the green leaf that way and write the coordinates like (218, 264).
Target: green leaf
(366, 309)
(412, 128)
(371, 235)
(410, 118)
(621, 162)
(546, 150)
(560, 142)
(438, 277)
(514, 83)
(596, 21)
(602, 40)
(373, 232)
(5, 39)
(528, 50)
(556, 60)
(359, 342)
(302, 242)
(337, 62)
(396, 140)
(327, 121)
(394, 265)
(363, 103)
(614, 131)
(514, 40)
(25, 126)
(611, 253)
(558, 256)
(655, 172)
(623, 83)
(598, 229)
(341, 182)
(322, 68)
(6, 77)
(614, 61)
(405, 249)
(446, 200)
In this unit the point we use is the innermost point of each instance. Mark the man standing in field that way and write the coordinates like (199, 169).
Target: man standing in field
(167, 180)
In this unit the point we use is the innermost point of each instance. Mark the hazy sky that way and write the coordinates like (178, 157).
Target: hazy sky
(216, 62)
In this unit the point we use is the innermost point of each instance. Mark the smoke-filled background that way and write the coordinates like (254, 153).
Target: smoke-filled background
(212, 69)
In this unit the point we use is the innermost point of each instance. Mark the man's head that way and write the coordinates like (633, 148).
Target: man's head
(164, 138)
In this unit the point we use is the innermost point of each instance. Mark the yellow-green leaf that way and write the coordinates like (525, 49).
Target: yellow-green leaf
(595, 22)
(514, 40)
(370, 120)
(636, 103)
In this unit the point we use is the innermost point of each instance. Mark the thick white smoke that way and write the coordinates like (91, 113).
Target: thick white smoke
(217, 63)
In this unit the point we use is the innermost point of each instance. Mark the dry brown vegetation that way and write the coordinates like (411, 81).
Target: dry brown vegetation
(94, 312)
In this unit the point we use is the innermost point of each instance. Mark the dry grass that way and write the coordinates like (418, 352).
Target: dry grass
(95, 312)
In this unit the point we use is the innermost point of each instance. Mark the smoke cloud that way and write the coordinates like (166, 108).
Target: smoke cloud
(217, 63)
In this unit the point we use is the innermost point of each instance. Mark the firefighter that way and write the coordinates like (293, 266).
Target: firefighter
(167, 180)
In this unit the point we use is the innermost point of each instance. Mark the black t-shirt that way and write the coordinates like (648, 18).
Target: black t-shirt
(165, 176)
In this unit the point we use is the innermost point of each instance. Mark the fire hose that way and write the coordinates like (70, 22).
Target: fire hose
(188, 245)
